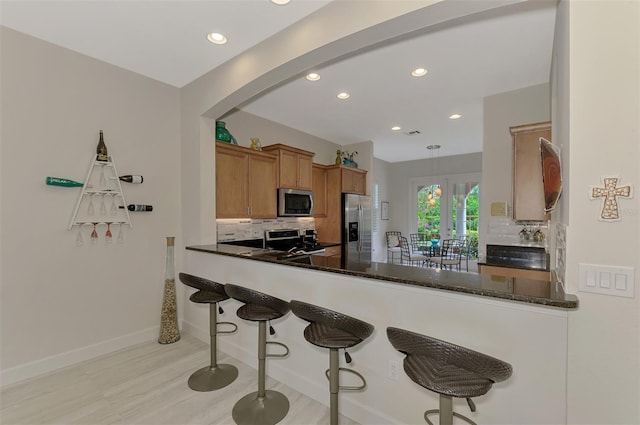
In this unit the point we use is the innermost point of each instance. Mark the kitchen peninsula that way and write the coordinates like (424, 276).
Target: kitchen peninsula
(524, 323)
(509, 288)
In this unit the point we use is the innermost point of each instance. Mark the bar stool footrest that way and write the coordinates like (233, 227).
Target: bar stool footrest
(456, 414)
(235, 327)
(349, 387)
(278, 355)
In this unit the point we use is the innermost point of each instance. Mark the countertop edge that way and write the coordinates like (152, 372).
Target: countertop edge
(567, 304)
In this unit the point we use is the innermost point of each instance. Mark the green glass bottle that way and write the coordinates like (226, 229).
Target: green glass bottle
(101, 149)
(57, 181)
(222, 134)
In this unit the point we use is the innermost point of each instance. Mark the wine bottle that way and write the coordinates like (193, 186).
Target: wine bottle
(131, 178)
(101, 149)
(138, 207)
(57, 181)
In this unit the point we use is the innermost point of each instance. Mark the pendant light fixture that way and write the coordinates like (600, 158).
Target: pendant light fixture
(437, 191)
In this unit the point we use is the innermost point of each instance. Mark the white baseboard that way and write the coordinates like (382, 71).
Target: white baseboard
(58, 361)
(317, 390)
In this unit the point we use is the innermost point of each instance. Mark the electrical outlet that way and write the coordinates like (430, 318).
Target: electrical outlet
(393, 370)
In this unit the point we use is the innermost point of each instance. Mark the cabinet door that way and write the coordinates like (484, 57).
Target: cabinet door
(262, 186)
(528, 190)
(232, 195)
(319, 188)
(305, 178)
(288, 169)
(359, 183)
(353, 182)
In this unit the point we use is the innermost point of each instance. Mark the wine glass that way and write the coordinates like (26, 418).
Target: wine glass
(90, 209)
(79, 238)
(103, 207)
(103, 179)
(108, 234)
(120, 234)
(94, 234)
(114, 207)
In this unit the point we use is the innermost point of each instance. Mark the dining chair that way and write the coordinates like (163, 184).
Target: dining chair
(450, 254)
(410, 257)
(466, 249)
(393, 246)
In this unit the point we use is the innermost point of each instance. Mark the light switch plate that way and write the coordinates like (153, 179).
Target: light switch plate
(606, 280)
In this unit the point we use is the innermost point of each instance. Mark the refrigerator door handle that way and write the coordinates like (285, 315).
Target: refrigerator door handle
(360, 224)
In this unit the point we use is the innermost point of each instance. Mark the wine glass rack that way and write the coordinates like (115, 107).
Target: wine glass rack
(101, 200)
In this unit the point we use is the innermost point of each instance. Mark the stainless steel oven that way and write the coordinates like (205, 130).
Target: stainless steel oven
(295, 203)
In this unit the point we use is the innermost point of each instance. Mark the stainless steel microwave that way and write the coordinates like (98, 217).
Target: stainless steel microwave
(295, 203)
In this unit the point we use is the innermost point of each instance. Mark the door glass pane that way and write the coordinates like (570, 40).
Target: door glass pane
(465, 207)
(429, 211)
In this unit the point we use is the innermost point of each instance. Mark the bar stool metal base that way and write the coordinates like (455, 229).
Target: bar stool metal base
(254, 410)
(212, 378)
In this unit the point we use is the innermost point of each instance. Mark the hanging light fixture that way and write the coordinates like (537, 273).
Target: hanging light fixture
(437, 191)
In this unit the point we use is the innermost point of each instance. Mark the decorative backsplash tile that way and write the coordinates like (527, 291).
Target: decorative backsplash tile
(561, 252)
(505, 231)
(239, 229)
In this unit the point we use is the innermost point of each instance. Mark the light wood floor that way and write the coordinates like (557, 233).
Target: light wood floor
(144, 384)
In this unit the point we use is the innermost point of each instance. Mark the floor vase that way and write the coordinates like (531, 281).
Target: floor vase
(169, 331)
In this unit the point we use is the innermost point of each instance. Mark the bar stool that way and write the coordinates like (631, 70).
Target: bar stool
(448, 370)
(214, 376)
(333, 330)
(264, 407)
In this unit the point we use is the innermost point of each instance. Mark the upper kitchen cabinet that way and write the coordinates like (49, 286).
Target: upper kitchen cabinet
(347, 179)
(294, 166)
(319, 188)
(528, 188)
(245, 182)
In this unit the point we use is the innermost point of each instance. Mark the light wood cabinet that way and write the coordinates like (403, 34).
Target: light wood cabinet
(346, 179)
(513, 272)
(245, 182)
(528, 189)
(319, 188)
(294, 166)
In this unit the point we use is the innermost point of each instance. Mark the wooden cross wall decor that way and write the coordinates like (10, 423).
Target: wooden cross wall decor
(610, 193)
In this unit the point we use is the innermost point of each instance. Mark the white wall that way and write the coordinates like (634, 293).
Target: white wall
(603, 97)
(381, 177)
(62, 303)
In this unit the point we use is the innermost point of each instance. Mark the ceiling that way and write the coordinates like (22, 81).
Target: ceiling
(166, 40)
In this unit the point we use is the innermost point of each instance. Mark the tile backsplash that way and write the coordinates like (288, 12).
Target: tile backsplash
(505, 231)
(238, 229)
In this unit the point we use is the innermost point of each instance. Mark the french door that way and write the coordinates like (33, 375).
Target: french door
(445, 207)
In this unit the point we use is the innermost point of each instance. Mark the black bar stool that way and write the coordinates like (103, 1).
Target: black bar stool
(447, 369)
(214, 376)
(264, 407)
(333, 330)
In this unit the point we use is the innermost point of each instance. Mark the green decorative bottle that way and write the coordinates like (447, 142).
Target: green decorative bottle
(223, 135)
(57, 181)
(101, 149)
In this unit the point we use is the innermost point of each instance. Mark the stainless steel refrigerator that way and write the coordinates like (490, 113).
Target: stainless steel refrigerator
(356, 231)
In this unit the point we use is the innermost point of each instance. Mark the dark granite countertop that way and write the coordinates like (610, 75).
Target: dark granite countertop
(507, 288)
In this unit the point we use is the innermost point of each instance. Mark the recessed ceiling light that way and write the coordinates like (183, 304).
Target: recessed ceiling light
(395, 128)
(343, 95)
(454, 116)
(419, 72)
(312, 76)
(217, 38)
(280, 2)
